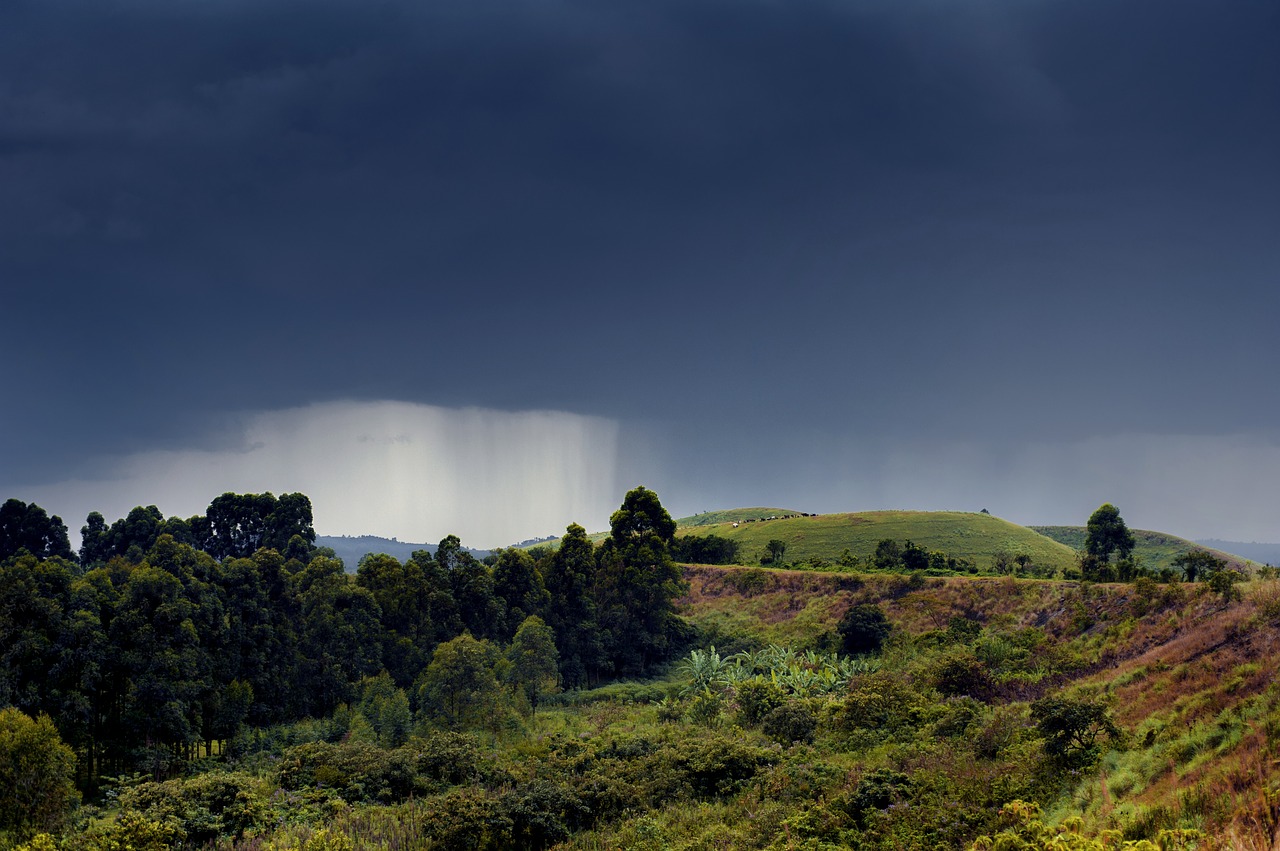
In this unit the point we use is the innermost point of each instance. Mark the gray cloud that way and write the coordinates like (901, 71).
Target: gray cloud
(841, 222)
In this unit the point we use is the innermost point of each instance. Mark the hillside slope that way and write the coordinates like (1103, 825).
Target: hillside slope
(1187, 674)
(1155, 550)
(977, 537)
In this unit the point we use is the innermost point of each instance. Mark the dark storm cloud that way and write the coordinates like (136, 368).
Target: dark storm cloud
(979, 220)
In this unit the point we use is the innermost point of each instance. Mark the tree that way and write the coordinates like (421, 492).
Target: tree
(1199, 564)
(863, 629)
(775, 550)
(636, 584)
(641, 515)
(28, 527)
(1072, 729)
(236, 525)
(341, 639)
(705, 549)
(1106, 533)
(888, 555)
(459, 689)
(404, 597)
(570, 576)
(37, 774)
(95, 543)
(914, 557)
(535, 664)
(517, 581)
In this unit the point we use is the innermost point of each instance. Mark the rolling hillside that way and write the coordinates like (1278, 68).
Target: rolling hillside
(1186, 673)
(977, 537)
(1156, 550)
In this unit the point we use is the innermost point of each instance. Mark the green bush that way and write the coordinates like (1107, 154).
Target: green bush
(468, 820)
(36, 776)
(357, 771)
(721, 766)
(205, 807)
(756, 698)
(790, 722)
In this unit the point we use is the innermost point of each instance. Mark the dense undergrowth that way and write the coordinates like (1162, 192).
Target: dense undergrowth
(997, 713)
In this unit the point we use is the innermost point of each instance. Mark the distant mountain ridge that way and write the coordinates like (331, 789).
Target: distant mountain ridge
(1254, 551)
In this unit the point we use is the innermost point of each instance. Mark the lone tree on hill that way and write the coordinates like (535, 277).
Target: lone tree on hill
(1107, 534)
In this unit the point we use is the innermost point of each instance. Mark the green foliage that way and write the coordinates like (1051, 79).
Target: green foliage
(1223, 583)
(238, 525)
(28, 527)
(791, 722)
(386, 708)
(877, 790)
(636, 584)
(756, 698)
(469, 820)
(460, 689)
(640, 516)
(863, 629)
(355, 770)
(132, 831)
(36, 771)
(534, 668)
(1199, 564)
(963, 675)
(705, 549)
(1073, 729)
(204, 807)
(1106, 534)
(1025, 830)
(706, 709)
(884, 703)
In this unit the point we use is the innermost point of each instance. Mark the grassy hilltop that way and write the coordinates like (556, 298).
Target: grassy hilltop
(977, 537)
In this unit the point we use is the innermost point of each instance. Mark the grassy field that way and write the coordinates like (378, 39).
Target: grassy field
(730, 515)
(977, 537)
(1155, 550)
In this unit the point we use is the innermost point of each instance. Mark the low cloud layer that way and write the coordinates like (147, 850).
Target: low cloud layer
(415, 472)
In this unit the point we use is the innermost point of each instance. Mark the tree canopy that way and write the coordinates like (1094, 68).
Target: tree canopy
(30, 528)
(1107, 534)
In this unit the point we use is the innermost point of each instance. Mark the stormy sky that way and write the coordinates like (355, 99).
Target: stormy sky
(480, 267)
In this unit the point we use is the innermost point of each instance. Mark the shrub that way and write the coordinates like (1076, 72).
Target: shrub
(36, 774)
(357, 771)
(961, 675)
(721, 766)
(863, 629)
(543, 813)
(468, 820)
(790, 722)
(205, 807)
(876, 790)
(757, 698)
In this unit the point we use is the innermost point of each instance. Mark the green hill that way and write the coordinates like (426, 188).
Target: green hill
(977, 537)
(730, 515)
(1155, 550)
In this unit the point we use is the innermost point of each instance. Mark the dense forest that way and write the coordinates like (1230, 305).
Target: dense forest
(218, 681)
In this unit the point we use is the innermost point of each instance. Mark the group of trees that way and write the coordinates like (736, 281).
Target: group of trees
(913, 558)
(168, 634)
(1108, 557)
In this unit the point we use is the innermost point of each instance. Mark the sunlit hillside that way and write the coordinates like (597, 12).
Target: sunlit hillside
(973, 536)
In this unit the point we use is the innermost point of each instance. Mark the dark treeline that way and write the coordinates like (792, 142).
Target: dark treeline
(166, 635)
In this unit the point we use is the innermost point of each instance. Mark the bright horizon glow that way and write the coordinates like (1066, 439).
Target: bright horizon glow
(393, 469)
